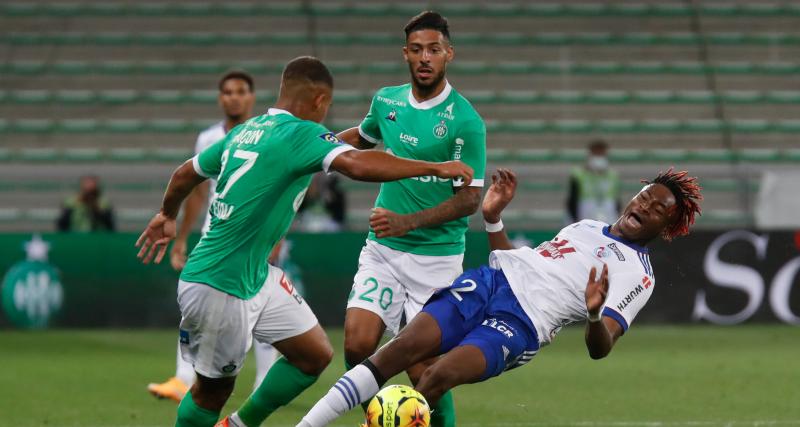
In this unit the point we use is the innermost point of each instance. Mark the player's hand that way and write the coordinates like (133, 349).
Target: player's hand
(596, 291)
(499, 194)
(155, 238)
(177, 255)
(457, 170)
(386, 223)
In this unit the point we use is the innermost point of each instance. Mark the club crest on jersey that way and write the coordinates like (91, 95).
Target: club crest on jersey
(392, 116)
(331, 137)
(440, 130)
(601, 252)
(617, 252)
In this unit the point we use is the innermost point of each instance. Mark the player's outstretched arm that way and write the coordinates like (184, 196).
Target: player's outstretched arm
(191, 210)
(377, 166)
(498, 196)
(161, 229)
(353, 137)
(601, 332)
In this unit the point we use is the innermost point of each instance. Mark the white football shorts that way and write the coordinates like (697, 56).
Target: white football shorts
(217, 329)
(391, 283)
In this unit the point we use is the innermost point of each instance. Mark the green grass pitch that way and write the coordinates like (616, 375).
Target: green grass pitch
(656, 376)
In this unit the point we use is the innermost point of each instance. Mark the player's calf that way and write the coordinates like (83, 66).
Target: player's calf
(212, 393)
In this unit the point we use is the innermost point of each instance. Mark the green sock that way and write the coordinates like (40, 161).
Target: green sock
(191, 415)
(444, 413)
(282, 384)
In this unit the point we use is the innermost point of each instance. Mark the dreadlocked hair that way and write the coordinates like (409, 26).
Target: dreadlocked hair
(686, 190)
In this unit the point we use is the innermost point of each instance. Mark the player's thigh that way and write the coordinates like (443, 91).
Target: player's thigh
(214, 330)
(285, 314)
(423, 275)
(376, 288)
(504, 343)
(464, 364)
(418, 341)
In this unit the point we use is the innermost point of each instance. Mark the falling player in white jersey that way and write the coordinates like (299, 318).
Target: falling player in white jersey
(498, 316)
(236, 98)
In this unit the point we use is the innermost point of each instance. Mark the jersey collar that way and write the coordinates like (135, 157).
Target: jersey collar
(634, 246)
(276, 111)
(430, 103)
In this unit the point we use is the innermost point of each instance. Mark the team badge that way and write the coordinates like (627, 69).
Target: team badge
(440, 130)
(331, 137)
(392, 116)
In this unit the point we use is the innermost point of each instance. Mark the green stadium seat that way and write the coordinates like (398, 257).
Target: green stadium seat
(117, 67)
(172, 155)
(4, 126)
(71, 67)
(783, 96)
(712, 155)
(534, 155)
(163, 96)
(122, 126)
(571, 155)
(118, 96)
(78, 125)
(75, 97)
(10, 214)
(616, 125)
(31, 96)
(742, 96)
(82, 155)
(161, 67)
(759, 155)
(499, 155)
(608, 97)
(33, 125)
(127, 154)
(626, 155)
(787, 126)
(668, 155)
(38, 154)
(167, 125)
(791, 155)
(5, 154)
(695, 96)
(704, 125)
(659, 125)
(749, 125)
(564, 97)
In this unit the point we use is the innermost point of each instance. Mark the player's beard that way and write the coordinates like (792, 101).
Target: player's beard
(426, 88)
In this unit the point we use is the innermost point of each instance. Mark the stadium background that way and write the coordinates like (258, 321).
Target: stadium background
(120, 89)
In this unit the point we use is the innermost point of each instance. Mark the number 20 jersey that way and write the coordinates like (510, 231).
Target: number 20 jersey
(550, 280)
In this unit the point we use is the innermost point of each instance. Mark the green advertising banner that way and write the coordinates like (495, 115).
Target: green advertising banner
(95, 280)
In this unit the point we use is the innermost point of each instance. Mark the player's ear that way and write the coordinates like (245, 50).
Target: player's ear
(451, 52)
(405, 53)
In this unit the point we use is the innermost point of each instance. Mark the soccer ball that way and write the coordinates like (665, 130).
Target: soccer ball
(398, 406)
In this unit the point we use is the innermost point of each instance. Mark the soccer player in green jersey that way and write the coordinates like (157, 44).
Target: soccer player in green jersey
(227, 292)
(416, 240)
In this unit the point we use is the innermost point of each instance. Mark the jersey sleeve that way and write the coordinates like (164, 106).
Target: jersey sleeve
(208, 162)
(470, 148)
(315, 147)
(628, 292)
(369, 128)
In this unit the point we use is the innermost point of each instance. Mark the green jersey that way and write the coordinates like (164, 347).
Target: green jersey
(263, 168)
(437, 130)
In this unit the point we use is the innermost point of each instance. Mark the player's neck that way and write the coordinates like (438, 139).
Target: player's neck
(232, 122)
(422, 94)
(614, 230)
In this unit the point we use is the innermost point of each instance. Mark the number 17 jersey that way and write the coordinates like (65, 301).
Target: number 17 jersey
(263, 168)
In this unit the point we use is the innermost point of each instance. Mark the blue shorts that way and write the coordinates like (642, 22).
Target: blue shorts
(480, 309)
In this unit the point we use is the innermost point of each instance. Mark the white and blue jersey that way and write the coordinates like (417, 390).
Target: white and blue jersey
(205, 139)
(517, 304)
(550, 281)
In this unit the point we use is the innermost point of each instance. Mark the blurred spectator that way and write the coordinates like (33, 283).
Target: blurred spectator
(88, 210)
(324, 206)
(594, 188)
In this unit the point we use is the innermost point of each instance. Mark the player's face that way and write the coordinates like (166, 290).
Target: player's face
(236, 99)
(650, 211)
(427, 53)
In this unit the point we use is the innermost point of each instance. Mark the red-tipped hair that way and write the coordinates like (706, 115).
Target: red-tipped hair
(686, 190)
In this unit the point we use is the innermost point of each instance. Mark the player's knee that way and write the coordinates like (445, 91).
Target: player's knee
(357, 349)
(315, 360)
(212, 394)
(435, 381)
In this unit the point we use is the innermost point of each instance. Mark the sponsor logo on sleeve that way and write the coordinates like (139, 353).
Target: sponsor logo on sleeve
(617, 252)
(627, 299)
(331, 137)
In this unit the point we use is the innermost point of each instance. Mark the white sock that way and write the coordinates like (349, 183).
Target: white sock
(235, 421)
(266, 355)
(184, 370)
(354, 387)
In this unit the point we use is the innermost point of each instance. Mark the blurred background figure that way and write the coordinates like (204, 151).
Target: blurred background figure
(325, 206)
(594, 189)
(88, 210)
